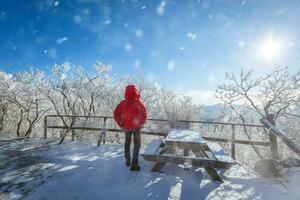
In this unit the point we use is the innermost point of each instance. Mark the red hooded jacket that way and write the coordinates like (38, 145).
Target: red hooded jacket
(131, 114)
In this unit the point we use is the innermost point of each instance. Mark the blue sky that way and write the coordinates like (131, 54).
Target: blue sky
(181, 45)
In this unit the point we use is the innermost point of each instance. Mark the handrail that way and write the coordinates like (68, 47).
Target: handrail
(274, 130)
(164, 120)
(105, 129)
(234, 141)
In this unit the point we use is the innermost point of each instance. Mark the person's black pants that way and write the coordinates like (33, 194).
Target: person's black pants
(137, 145)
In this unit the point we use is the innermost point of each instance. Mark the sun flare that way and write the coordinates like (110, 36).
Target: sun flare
(270, 48)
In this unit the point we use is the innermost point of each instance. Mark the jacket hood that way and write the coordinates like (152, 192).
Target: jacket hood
(131, 92)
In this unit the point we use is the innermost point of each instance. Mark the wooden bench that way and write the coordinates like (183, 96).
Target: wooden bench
(220, 154)
(152, 147)
(152, 153)
(200, 162)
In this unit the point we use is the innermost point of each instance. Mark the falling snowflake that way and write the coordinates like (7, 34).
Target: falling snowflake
(137, 64)
(241, 44)
(139, 33)
(171, 65)
(77, 19)
(191, 35)
(56, 3)
(160, 9)
(128, 47)
(86, 11)
(61, 40)
(126, 24)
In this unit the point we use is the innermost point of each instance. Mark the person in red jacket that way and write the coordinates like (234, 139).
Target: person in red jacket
(131, 114)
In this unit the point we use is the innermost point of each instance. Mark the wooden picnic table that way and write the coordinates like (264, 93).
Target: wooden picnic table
(185, 146)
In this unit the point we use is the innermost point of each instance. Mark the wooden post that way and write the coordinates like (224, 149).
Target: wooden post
(232, 141)
(104, 130)
(72, 130)
(286, 140)
(186, 164)
(45, 127)
(73, 135)
(273, 138)
(102, 133)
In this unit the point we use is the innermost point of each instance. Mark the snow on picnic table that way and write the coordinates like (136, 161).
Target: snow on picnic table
(185, 135)
(41, 169)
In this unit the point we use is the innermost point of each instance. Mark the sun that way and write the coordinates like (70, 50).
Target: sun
(269, 48)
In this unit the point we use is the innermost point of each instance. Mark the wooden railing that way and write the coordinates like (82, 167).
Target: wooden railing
(275, 132)
(104, 129)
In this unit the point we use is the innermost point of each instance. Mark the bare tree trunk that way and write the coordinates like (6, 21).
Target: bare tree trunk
(19, 124)
(273, 138)
(63, 136)
(67, 131)
(2, 116)
(74, 135)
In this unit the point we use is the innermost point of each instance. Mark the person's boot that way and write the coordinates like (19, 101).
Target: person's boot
(134, 165)
(127, 161)
(135, 168)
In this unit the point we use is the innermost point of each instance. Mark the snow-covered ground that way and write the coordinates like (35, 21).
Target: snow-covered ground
(41, 169)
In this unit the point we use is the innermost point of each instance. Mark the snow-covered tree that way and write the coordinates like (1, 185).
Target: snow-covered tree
(273, 95)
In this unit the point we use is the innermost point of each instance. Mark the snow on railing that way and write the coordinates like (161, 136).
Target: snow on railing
(280, 134)
(104, 129)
